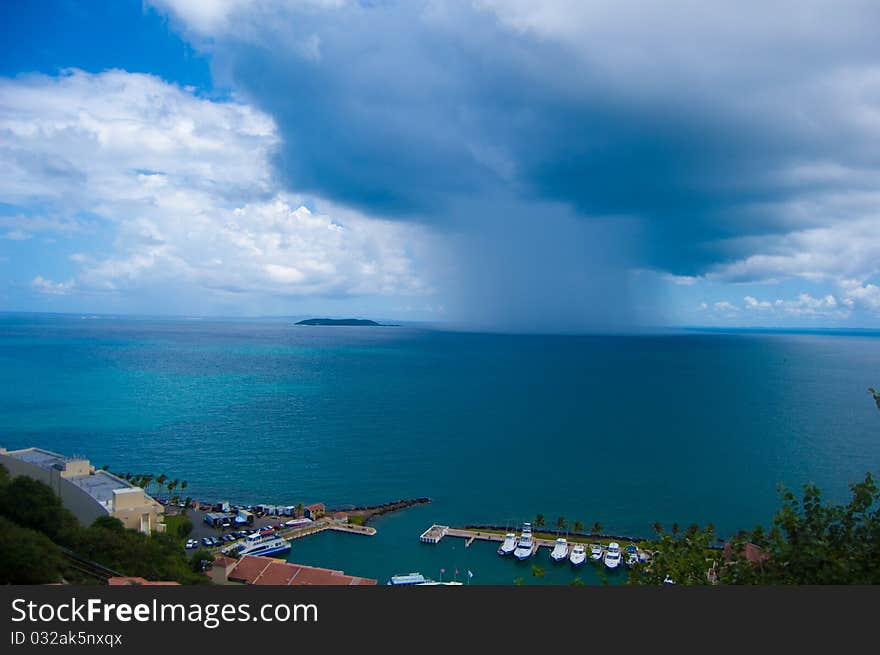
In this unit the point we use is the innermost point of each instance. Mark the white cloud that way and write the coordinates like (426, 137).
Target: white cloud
(45, 286)
(754, 303)
(725, 306)
(185, 188)
(867, 295)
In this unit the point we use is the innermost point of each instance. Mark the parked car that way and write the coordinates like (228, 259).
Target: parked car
(207, 541)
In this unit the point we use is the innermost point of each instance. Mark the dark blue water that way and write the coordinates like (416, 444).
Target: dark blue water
(624, 430)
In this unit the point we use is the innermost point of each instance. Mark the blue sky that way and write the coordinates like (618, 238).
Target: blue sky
(501, 165)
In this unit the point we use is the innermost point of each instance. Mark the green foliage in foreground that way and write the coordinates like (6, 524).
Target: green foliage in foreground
(39, 523)
(816, 542)
(811, 541)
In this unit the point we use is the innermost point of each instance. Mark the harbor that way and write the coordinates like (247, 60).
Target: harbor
(614, 552)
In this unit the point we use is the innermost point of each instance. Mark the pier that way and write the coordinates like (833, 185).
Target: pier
(436, 533)
(297, 532)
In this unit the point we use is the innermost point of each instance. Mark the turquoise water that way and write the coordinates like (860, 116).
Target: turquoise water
(624, 430)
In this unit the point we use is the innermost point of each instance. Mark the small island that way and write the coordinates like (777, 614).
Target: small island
(342, 321)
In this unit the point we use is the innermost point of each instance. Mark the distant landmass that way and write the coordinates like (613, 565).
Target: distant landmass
(341, 321)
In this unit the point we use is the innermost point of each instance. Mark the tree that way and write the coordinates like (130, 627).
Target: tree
(299, 509)
(539, 521)
(578, 527)
(28, 557)
(597, 528)
(200, 559)
(161, 480)
(657, 527)
(560, 524)
(813, 541)
(32, 504)
(683, 557)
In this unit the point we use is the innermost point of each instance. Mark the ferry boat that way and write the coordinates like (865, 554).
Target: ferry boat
(412, 579)
(560, 550)
(266, 542)
(578, 555)
(509, 544)
(596, 552)
(612, 556)
(524, 546)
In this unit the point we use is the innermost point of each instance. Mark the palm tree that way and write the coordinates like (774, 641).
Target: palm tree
(172, 486)
(657, 527)
(539, 521)
(597, 528)
(183, 484)
(560, 524)
(161, 480)
(578, 527)
(298, 509)
(675, 529)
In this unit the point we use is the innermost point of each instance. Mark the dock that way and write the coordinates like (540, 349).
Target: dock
(436, 533)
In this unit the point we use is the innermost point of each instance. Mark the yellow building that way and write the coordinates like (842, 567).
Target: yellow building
(88, 493)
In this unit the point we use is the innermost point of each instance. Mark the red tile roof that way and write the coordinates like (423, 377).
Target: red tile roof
(316, 507)
(257, 570)
(750, 551)
(122, 581)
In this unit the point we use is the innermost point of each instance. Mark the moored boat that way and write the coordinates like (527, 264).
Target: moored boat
(578, 555)
(508, 545)
(632, 555)
(596, 552)
(525, 544)
(265, 542)
(612, 555)
(560, 550)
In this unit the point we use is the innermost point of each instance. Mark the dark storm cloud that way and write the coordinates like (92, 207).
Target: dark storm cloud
(703, 123)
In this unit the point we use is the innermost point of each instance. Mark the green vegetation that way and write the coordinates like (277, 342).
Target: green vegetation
(178, 526)
(357, 519)
(811, 541)
(537, 571)
(29, 557)
(35, 524)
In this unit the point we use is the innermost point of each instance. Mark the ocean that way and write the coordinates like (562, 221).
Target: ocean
(681, 426)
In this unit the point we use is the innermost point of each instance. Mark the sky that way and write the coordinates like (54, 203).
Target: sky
(567, 165)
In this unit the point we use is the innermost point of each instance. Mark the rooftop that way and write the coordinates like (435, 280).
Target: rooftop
(45, 459)
(100, 486)
(259, 570)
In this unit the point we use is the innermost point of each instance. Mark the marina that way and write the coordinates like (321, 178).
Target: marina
(575, 550)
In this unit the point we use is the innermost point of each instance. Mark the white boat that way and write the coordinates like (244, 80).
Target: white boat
(596, 552)
(632, 555)
(509, 544)
(525, 543)
(578, 555)
(612, 555)
(417, 579)
(560, 550)
(265, 542)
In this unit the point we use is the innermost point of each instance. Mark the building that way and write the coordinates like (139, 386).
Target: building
(315, 511)
(88, 493)
(258, 570)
